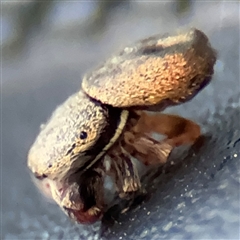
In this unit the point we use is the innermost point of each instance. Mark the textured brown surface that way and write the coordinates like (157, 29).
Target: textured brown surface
(58, 147)
(159, 70)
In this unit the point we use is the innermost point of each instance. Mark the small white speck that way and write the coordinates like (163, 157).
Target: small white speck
(189, 193)
(143, 234)
(180, 205)
(120, 237)
(148, 213)
(167, 227)
(194, 200)
(128, 49)
(235, 155)
(180, 218)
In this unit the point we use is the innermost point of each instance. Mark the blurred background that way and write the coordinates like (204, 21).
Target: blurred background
(47, 46)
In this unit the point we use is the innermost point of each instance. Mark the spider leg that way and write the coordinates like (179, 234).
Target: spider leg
(124, 172)
(150, 151)
(178, 131)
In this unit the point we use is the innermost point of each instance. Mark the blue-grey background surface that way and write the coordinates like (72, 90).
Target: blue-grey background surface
(198, 197)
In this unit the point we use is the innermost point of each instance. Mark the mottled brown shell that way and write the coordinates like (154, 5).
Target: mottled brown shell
(160, 70)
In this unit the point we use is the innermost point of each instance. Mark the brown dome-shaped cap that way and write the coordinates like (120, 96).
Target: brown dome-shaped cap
(158, 71)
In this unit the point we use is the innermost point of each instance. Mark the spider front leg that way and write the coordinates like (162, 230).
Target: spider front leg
(179, 131)
(124, 172)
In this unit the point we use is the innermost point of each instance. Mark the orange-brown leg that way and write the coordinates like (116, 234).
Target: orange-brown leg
(147, 150)
(179, 131)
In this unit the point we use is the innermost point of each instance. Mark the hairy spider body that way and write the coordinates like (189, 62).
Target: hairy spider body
(98, 130)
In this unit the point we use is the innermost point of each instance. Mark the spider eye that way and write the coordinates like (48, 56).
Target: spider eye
(83, 135)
